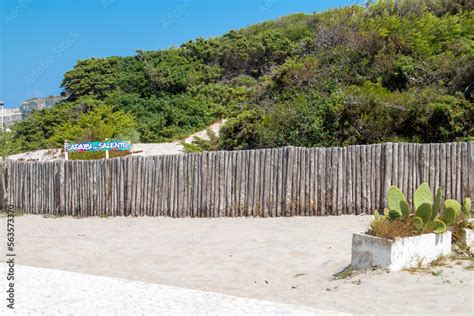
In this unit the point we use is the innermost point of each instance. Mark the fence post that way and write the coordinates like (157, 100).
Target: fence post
(107, 151)
(470, 167)
(66, 154)
(387, 170)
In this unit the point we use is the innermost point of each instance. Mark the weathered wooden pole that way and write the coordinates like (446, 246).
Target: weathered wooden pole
(66, 154)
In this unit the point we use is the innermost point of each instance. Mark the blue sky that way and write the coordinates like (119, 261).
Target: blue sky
(42, 39)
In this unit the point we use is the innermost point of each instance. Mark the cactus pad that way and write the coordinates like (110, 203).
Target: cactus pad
(418, 223)
(395, 199)
(392, 214)
(439, 226)
(467, 206)
(449, 215)
(423, 195)
(405, 208)
(455, 205)
(437, 203)
(424, 212)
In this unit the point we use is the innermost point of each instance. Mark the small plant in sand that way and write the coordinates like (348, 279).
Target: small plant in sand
(399, 220)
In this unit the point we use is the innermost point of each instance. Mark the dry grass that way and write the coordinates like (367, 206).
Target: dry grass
(345, 273)
(470, 267)
(390, 229)
(458, 228)
(15, 213)
(440, 261)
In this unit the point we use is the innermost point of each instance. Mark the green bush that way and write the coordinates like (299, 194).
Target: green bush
(388, 71)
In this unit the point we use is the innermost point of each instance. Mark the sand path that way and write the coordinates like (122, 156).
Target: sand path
(286, 260)
(48, 291)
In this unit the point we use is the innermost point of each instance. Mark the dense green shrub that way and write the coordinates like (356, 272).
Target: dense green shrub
(388, 71)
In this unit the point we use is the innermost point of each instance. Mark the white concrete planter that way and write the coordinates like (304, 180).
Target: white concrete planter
(400, 253)
(469, 237)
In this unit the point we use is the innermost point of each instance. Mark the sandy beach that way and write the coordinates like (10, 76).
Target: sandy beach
(284, 260)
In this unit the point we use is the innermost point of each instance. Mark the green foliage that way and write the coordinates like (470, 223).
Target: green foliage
(454, 205)
(426, 218)
(405, 208)
(423, 195)
(449, 216)
(437, 203)
(97, 77)
(37, 129)
(393, 214)
(377, 215)
(397, 201)
(424, 212)
(439, 226)
(418, 223)
(200, 144)
(172, 72)
(7, 145)
(387, 71)
(466, 208)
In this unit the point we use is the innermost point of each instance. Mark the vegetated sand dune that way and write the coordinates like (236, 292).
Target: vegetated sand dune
(288, 260)
(141, 149)
(174, 147)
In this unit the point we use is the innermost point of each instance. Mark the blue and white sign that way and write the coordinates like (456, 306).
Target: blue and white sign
(117, 145)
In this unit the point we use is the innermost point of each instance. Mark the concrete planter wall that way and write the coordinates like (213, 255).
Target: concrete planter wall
(469, 237)
(400, 253)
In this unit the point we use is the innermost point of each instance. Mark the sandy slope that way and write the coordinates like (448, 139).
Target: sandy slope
(287, 260)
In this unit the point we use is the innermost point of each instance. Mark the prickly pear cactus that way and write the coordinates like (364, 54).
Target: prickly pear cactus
(448, 216)
(439, 226)
(376, 214)
(437, 203)
(405, 208)
(422, 195)
(455, 205)
(418, 223)
(397, 201)
(393, 214)
(467, 206)
(424, 212)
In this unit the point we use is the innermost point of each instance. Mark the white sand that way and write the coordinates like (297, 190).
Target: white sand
(41, 154)
(173, 148)
(286, 260)
(54, 292)
(157, 149)
(215, 128)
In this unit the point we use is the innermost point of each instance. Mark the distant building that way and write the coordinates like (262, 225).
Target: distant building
(11, 116)
(38, 103)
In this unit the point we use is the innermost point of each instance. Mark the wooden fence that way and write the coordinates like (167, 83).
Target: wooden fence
(272, 182)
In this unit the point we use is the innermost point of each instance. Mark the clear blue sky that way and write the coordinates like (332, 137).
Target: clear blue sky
(42, 39)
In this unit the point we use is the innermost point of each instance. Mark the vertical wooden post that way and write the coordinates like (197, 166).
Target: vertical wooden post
(107, 151)
(66, 154)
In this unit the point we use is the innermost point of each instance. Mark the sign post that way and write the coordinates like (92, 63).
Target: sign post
(115, 145)
(66, 156)
(106, 151)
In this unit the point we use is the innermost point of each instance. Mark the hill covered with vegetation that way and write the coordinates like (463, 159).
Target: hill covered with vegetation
(387, 71)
